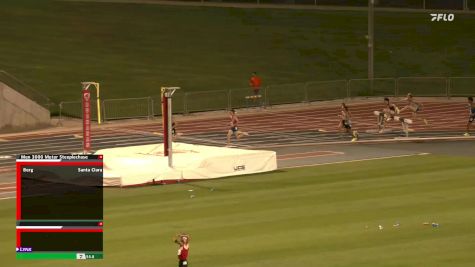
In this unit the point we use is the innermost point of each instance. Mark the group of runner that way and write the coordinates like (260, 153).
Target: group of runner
(389, 112)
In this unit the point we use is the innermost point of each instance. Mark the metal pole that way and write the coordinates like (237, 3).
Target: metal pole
(371, 43)
(170, 150)
(98, 105)
(165, 122)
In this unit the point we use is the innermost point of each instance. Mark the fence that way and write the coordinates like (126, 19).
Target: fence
(128, 108)
(188, 102)
(461, 86)
(374, 87)
(423, 86)
(73, 109)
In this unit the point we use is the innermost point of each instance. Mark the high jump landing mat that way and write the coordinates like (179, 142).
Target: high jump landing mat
(146, 164)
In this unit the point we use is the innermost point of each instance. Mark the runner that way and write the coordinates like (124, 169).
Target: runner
(387, 114)
(390, 113)
(415, 107)
(471, 117)
(175, 134)
(183, 240)
(345, 122)
(234, 127)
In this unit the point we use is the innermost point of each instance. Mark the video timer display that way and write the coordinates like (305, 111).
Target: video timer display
(59, 207)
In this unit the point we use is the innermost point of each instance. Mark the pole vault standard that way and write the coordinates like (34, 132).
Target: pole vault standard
(167, 93)
(86, 114)
(85, 86)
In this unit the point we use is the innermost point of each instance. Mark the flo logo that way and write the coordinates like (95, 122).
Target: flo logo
(442, 17)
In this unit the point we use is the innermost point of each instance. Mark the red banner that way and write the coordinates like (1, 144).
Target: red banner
(86, 118)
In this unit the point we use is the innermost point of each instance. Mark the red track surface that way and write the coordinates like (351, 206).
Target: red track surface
(442, 117)
(266, 127)
(446, 116)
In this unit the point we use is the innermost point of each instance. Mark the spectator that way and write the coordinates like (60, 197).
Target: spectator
(255, 83)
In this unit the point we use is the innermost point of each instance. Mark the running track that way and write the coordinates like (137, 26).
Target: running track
(268, 128)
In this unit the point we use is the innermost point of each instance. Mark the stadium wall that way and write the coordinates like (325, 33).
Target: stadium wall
(18, 112)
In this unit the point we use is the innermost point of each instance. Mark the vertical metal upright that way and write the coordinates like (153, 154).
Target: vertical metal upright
(167, 93)
(169, 128)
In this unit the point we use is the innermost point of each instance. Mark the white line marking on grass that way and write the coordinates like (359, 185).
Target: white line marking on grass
(9, 192)
(355, 160)
(4, 198)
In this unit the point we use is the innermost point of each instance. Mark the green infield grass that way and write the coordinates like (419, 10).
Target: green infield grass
(133, 49)
(313, 216)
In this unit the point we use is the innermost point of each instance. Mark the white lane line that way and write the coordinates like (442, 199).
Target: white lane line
(4, 198)
(355, 160)
(5, 193)
(8, 183)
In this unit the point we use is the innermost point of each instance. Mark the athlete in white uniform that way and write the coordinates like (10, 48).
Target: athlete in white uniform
(415, 108)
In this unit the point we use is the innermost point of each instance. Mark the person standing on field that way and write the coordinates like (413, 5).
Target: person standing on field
(183, 240)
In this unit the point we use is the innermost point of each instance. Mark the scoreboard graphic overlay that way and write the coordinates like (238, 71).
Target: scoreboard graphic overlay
(59, 207)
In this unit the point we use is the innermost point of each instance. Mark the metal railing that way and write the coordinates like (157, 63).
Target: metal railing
(374, 87)
(188, 102)
(423, 86)
(126, 108)
(25, 90)
(461, 86)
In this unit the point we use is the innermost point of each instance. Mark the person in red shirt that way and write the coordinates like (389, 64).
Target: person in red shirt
(255, 83)
(183, 240)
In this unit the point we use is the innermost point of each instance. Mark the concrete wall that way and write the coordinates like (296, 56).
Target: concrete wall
(18, 112)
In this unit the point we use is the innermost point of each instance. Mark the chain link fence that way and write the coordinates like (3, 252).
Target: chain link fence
(374, 87)
(245, 98)
(206, 100)
(178, 104)
(326, 90)
(461, 86)
(188, 102)
(285, 94)
(422, 86)
(128, 108)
